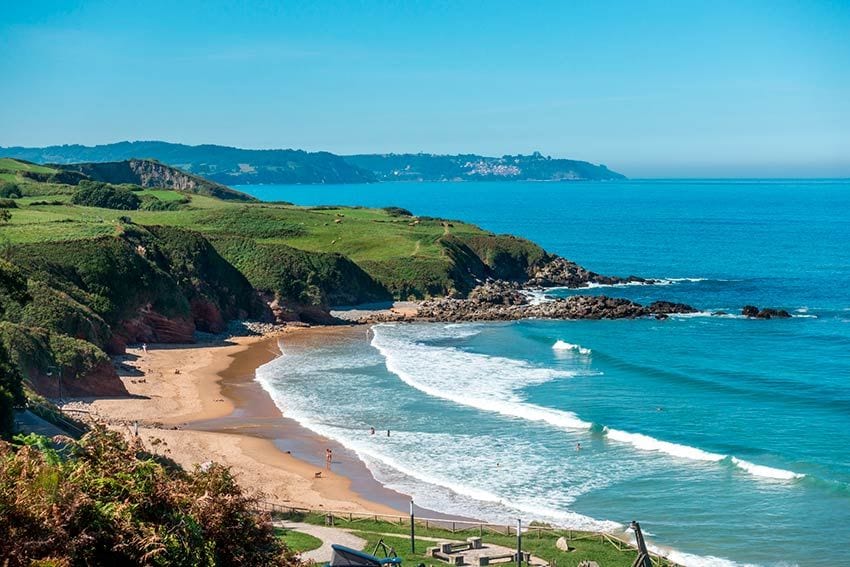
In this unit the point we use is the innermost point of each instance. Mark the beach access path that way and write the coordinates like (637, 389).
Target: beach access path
(328, 535)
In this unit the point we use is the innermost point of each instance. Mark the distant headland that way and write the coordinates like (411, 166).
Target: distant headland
(236, 166)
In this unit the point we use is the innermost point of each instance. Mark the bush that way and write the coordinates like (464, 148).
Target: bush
(106, 196)
(10, 190)
(103, 501)
(397, 212)
(8, 204)
(151, 203)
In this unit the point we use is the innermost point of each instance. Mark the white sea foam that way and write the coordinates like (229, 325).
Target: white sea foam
(655, 281)
(647, 443)
(565, 346)
(458, 376)
(765, 472)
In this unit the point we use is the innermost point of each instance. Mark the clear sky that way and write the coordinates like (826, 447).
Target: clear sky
(652, 89)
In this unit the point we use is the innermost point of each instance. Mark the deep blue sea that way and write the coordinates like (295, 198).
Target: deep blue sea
(727, 438)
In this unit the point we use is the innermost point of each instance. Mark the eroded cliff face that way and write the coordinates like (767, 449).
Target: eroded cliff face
(150, 173)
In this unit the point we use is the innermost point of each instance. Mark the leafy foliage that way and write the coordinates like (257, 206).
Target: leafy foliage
(106, 196)
(13, 286)
(10, 190)
(102, 501)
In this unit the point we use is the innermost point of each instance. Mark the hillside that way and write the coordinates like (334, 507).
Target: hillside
(234, 166)
(141, 173)
(148, 173)
(471, 167)
(222, 164)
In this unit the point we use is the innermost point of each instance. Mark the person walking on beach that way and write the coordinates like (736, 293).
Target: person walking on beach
(145, 348)
(329, 455)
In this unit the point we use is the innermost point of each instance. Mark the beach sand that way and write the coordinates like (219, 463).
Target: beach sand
(199, 403)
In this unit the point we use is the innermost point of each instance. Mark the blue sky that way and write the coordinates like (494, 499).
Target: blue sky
(652, 89)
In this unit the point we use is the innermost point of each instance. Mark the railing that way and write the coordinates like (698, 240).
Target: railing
(457, 526)
(57, 417)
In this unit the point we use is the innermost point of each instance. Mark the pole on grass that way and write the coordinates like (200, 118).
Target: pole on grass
(412, 529)
(518, 542)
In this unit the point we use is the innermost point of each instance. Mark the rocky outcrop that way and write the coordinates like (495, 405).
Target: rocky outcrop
(560, 272)
(150, 173)
(102, 380)
(754, 312)
(668, 307)
(503, 301)
(150, 326)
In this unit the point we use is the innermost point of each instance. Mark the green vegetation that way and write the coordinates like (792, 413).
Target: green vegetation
(102, 501)
(298, 542)
(106, 196)
(541, 543)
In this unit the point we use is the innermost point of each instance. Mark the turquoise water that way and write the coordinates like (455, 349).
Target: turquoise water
(729, 439)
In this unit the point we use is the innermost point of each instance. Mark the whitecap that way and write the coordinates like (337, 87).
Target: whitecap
(765, 472)
(647, 443)
(565, 346)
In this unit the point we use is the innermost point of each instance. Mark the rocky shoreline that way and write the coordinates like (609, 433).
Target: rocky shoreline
(507, 301)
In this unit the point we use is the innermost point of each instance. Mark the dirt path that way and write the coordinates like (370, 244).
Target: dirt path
(328, 535)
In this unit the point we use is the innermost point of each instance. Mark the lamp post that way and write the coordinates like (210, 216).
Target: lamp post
(412, 529)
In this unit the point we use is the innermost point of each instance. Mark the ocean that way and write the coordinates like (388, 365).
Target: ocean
(727, 438)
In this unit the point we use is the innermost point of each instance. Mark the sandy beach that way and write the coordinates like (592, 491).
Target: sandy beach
(199, 403)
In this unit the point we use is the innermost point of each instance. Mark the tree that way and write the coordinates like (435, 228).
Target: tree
(5, 215)
(13, 286)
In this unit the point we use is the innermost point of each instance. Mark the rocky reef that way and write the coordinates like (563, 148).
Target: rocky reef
(754, 312)
(560, 272)
(507, 301)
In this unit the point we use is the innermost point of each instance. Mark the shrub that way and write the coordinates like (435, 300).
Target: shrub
(106, 196)
(151, 203)
(103, 501)
(10, 190)
(8, 204)
(5, 215)
(397, 212)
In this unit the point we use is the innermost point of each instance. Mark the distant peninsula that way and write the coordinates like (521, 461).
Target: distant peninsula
(235, 166)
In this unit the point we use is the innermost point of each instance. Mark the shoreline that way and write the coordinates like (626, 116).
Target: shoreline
(199, 402)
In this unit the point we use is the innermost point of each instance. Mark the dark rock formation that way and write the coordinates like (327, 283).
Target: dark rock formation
(667, 307)
(750, 311)
(501, 301)
(767, 313)
(562, 272)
